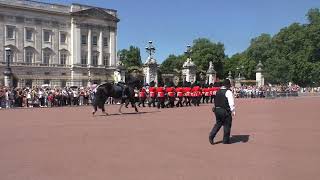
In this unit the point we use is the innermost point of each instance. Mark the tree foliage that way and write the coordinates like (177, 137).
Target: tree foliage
(291, 55)
(203, 51)
(130, 57)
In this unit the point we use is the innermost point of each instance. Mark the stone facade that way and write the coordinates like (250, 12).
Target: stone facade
(150, 71)
(259, 75)
(211, 74)
(57, 44)
(189, 71)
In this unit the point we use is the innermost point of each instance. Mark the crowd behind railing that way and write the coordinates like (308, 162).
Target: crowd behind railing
(46, 96)
(267, 91)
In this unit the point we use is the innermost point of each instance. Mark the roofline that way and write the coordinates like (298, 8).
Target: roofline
(78, 4)
(47, 3)
(20, 6)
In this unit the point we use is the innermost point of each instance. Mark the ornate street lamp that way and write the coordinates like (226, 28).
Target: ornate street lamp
(188, 51)
(239, 69)
(150, 49)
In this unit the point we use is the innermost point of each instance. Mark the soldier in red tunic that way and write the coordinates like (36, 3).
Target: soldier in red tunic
(206, 92)
(142, 96)
(196, 94)
(187, 94)
(160, 95)
(179, 91)
(171, 95)
(152, 95)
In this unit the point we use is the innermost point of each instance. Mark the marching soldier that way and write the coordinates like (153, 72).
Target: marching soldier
(179, 91)
(171, 95)
(187, 94)
(223, 108)
(161, 96)
(152, 95)
(142, 96)
(196, 94)
(206, 92)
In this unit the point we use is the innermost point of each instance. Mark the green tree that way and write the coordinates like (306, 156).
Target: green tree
(130, 57)
(204, 51)
(313, 16)
(172, 64)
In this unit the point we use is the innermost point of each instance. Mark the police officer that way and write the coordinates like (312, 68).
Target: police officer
(224, 109)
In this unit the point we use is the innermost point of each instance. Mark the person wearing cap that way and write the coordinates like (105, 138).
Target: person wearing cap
(224, 109)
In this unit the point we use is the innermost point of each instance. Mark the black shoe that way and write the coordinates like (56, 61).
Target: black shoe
(226, 142)
(211, 140)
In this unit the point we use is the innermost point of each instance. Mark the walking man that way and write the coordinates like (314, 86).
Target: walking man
(224, 109)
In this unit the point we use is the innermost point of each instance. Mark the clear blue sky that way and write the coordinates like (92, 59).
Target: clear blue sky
(172, 24)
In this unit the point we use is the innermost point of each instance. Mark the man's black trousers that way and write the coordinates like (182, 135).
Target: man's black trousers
(223, 118)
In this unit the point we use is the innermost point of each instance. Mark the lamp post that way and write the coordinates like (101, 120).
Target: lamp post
(150, 49)
(239, 69)
(150, 67)
(188, 51)
(7, 72)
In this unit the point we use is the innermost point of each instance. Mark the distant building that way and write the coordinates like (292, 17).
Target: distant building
(57, 44)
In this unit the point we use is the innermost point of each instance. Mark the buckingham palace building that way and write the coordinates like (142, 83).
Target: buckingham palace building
(58, 45)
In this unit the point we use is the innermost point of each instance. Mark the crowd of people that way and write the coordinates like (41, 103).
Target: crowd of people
(43, 97)
(150, 95)
(266, 91)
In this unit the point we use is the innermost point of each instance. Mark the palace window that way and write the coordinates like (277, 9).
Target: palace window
(46, 36)
(10, 32)
(46, 57)
(105, 60)
(105, 42)
(63, 38)
(29, 34)
(84, 58)
(94, 40)
(28, 55)
(46, 81)
(83, 39)
(63, 58)
(95, 60)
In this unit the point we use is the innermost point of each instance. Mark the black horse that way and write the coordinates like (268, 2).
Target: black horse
(121, 91)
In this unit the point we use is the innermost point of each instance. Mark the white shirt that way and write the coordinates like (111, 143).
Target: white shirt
(230, 98)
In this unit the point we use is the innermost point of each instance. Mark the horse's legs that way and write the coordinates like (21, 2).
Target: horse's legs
(133, 103)
(120, 108)
(104, 111)
(95, 108)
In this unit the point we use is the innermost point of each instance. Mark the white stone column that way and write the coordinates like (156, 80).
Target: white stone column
(100, 43)
(113, 45)
(259, 79)
(75, 43)
(188, 75)
(89, 63)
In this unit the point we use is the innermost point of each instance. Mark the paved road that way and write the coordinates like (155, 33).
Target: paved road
(167, 144)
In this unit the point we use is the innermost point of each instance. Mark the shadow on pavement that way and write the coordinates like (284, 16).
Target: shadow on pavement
(237, 139)
(129, 113)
